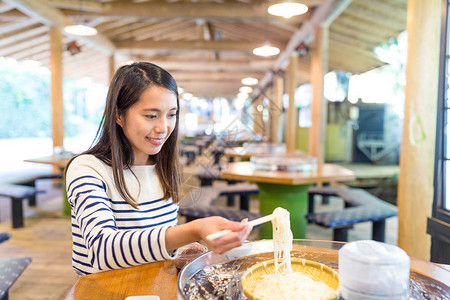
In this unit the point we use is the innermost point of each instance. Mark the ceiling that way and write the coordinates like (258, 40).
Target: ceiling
(205, 44)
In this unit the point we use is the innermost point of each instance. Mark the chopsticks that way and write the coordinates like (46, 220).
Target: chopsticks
(254, 222)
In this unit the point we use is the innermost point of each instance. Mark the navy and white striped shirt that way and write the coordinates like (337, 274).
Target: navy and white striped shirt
(108, 233)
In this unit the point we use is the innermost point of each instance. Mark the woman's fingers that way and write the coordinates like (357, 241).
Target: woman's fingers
(232, 240)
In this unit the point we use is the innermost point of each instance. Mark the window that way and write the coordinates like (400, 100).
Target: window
(441, 206)
(439, 224)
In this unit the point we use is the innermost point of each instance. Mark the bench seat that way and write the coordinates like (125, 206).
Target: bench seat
(17, 193)
(4, 236)
(361, 207)
(10, 270)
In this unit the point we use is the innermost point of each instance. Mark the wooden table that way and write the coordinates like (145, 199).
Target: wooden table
(286, 189)
(55, 160)
(59, 161)
(160, 278)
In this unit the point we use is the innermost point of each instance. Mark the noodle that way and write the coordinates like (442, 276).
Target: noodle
(282, 240)
(286, 284)
(293, 285)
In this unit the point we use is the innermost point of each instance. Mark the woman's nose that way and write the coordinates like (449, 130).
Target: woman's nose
(161, 126)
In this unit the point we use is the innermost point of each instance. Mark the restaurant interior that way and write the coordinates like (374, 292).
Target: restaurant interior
(335, 110)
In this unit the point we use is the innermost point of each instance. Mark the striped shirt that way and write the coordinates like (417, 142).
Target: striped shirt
(108, 233)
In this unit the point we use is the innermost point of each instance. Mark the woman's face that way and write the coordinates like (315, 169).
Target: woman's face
(149, 122)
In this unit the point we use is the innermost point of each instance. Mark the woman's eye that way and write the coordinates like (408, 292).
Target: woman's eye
(150, 116)
(172, 115)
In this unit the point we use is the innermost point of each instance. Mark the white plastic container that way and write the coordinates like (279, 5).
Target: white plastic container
(373, 270)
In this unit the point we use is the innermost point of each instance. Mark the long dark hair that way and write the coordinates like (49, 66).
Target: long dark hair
(113, 148)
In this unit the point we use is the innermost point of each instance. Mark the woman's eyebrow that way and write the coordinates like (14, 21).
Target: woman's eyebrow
(158, 110)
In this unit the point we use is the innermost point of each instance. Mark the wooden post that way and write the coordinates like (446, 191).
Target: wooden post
(276, 108)
(292, 119)
(57, 86)
(415, 188)
(258, 124)
(319, 67)
(112, 66)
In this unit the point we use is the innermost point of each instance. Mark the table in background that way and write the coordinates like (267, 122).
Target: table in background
(286, 189)
(244, 154)
(59, 161)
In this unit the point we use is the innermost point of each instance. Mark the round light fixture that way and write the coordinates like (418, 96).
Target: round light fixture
(242, 96)
(249, 81)
(287, 9)
(81, 30)
(266, 50)
(245, 89)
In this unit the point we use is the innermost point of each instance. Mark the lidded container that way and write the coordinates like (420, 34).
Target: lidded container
(373, 270)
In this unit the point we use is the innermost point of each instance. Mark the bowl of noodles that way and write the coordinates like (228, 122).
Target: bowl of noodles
(308, 280)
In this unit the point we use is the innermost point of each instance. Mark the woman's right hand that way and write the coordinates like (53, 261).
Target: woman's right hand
(237, 236)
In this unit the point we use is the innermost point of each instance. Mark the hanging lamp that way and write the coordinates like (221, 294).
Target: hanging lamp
(287, 9)
(266, 50)
(80, 29)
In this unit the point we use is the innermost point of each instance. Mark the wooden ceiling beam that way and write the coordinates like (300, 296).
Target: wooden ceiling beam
(190, 45)
(12, 15)
(24, 45)
(323, 15)
(25, 35)
(186, 10)
(185, 29)
(51, 16)
(10, 27)
(377, 17)
(339, 45)
(216, 66)
(355, 33)
(214, 76)
(87, 6)
(128, 30)
(234, 31)
(367, 25)
(155, 29)
(4, 7)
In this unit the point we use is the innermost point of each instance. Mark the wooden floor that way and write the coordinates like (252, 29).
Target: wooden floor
(46, 238)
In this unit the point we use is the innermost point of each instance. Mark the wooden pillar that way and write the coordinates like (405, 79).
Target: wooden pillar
(276, 108)
(415, 188)
(291, 117)
(258, 125)
(57, 86)
(319, 67)
(112, 66)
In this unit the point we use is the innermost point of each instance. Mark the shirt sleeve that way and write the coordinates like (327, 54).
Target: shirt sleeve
(108, 247)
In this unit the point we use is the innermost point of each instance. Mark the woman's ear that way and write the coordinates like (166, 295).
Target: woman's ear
(119, 118)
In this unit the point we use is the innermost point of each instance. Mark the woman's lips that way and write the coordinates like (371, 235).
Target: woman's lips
(156, 142)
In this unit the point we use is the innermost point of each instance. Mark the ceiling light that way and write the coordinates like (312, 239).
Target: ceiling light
(249, 81)
(245, 89)
(187, 96)
(287, 9)
(242, 96)
(81, 30)
(266, 50)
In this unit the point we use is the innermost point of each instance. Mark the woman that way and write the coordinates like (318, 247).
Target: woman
(123, 191)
